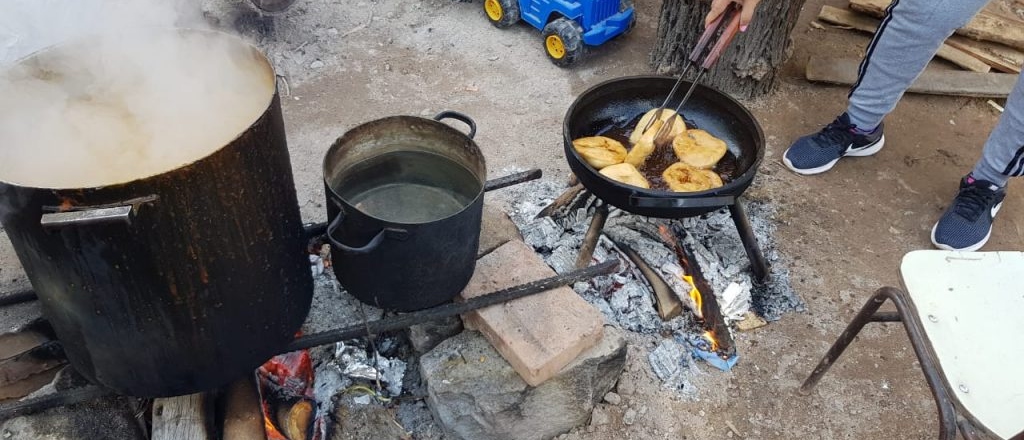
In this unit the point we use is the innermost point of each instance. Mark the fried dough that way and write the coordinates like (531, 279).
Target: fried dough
(682, 177)
(699, 149)
(644, 147)
(600, 151)
(626, 173)
(678, 126)
(716, 180)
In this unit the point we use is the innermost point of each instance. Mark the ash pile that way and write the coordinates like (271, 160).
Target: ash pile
(554, 220)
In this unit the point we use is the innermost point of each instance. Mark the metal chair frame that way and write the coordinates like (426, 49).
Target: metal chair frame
(950, 416)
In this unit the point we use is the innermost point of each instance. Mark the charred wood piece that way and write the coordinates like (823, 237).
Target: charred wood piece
(593, 235)
(560, 206)
(669, 305)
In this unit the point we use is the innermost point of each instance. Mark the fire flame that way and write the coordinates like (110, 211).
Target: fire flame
(710, 337)
(698, 301)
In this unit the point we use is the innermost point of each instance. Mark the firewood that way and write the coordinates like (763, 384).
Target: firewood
(566, 199)
(864, 23)
(243, 419)
(932, 82)
(988, 25)
(294, 419)
(181, 418)
(593, 235)
(668, 303)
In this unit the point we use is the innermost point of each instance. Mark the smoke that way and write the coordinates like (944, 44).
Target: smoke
(98, 92)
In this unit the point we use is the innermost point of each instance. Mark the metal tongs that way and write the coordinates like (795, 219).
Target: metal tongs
(725, 34)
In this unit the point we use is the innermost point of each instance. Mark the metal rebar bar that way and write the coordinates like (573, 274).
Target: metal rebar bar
(513, 179)
(60, 398)
(18, 297)
(452, 309)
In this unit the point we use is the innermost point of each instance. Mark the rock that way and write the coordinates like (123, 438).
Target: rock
(630, 417)
(424, 337)
(366, 422)
(540, 334)
(612, 398)
(626, 387)
(475, 394)
(496, 229)
(600, 416)
(316, 64)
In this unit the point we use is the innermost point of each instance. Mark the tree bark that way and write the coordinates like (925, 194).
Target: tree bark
(749, 67)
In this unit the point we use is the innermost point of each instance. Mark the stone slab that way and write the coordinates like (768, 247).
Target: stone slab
(474, 394)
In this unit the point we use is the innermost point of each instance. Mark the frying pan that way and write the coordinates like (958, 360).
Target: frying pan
(618, 102)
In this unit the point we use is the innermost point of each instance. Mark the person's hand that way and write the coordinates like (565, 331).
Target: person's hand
(718, 7)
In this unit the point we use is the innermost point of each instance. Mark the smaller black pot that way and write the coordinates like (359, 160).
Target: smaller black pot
(388, 257)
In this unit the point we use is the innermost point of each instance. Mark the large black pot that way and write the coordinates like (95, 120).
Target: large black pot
(177, 282)
(396, 261)
(620, 101)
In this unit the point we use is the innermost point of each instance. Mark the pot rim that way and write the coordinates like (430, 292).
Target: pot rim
(220, 34)
(333, 194)
(734, 187)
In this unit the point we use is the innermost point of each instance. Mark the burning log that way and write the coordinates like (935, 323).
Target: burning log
(669, 305)
(243, 419)
(181, 418)
(295, 419)
(716, 330)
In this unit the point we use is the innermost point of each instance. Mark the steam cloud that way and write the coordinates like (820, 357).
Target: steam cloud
(99, 92)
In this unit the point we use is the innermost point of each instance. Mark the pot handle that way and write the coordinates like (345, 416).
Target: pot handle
(99, 216)
(449, 114)
(666, 202)
(392, 233)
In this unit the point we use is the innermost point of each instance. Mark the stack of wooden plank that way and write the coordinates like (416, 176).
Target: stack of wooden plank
(993, 41)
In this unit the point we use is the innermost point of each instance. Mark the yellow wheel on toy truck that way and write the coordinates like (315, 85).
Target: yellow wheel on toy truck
(555, 46)
(502, 13)
(563, 41)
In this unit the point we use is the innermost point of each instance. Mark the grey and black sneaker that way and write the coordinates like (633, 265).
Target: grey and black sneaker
(819, 152)
(967, 223)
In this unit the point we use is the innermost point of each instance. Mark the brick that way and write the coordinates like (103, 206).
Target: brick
(539, 334)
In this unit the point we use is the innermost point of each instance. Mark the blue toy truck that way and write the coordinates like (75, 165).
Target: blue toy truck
(567, 25)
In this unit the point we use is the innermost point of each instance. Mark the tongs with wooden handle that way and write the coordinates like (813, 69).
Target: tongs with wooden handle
(731, 16)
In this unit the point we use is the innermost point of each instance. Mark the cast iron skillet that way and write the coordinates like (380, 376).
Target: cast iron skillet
(620, 101)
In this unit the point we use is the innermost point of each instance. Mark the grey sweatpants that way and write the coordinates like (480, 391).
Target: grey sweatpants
(908, 37)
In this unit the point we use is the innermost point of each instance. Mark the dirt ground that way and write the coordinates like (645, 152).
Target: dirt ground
(844, 232)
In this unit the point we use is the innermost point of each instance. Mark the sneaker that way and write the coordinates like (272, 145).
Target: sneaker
(967, 223)
(819, 152)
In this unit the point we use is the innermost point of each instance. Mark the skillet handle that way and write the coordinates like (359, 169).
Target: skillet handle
(664, 202)
(462, 117)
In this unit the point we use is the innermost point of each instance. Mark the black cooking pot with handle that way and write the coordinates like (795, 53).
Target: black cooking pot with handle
(178, 282)
(404, 205)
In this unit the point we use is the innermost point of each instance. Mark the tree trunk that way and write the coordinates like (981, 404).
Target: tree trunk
(748, 68)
